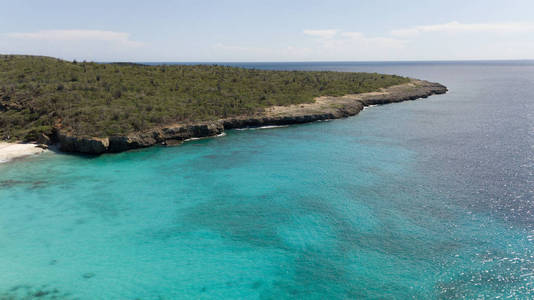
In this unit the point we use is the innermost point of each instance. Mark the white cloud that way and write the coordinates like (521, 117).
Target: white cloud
(340, 38)
(324, 33)
(353, 45)
(77, 36)
(452, 40)
(250, 53)
(361, 38)
(457, 27)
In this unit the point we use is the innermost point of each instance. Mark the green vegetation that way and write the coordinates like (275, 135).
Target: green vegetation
(38, 94)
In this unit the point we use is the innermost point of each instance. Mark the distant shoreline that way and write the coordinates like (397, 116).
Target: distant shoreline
(323, 108)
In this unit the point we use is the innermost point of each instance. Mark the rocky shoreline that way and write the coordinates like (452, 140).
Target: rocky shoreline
(322, 109)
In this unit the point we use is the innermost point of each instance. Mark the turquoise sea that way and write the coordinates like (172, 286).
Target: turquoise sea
(428, 199)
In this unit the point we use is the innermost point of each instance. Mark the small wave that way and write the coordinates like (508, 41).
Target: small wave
(369, 106)
(263, 127)
(192, 139)
(205, 137)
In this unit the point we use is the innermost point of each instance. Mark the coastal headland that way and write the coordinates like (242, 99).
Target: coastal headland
(94, 108)
(323, 108)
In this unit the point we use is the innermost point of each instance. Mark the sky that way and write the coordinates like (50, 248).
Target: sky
(235, 30)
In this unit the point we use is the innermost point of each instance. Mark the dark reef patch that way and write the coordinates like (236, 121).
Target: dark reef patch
(27, 292)
(33, 184)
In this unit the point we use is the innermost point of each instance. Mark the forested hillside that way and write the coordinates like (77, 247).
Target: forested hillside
(91, 99)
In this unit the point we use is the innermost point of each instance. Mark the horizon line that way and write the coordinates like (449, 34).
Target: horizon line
(187, 61)
(319, 61)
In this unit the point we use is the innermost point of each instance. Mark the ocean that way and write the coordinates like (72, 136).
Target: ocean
(426, 199)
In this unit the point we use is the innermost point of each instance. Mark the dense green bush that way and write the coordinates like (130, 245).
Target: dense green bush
(39, 93)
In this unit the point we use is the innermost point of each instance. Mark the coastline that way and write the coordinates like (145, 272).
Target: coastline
(12, 151)
(323, 108)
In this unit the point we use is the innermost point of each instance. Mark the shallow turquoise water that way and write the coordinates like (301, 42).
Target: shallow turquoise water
(419, 199)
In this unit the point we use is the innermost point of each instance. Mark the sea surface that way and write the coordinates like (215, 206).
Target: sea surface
(427, 199)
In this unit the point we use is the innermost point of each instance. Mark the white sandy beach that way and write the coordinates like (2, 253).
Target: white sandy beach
(9, 151)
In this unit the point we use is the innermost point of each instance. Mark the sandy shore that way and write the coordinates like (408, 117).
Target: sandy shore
(10, 151)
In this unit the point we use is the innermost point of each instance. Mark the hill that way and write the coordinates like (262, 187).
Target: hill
(40, 95)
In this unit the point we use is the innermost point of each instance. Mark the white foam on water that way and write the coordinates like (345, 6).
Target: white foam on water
(192, 139)
(263, 127)
(369, 106)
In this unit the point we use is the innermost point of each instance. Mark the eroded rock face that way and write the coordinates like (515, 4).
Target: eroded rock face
(189, 131)
(282, 120)
(87, 145)
(175, 134)
(123, 143)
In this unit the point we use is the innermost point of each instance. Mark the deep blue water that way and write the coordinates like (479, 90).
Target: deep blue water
(425, 199)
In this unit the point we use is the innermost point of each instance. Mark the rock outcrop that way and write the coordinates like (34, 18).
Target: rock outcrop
(69, 143)
(91, 145)
(323, 108)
